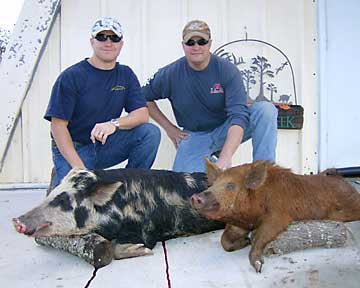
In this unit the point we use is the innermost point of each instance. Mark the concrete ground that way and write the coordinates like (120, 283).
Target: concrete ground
(197, 261)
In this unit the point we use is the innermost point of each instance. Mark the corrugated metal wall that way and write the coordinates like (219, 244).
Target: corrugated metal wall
(152, 40)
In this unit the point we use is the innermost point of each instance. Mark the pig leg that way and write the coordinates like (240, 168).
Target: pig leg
(269, 229)
(234, 238)
(130, 250)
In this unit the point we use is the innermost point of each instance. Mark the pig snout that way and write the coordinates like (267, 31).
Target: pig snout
(205, 201)
(196, 201)
(29, 228)
(19, 227)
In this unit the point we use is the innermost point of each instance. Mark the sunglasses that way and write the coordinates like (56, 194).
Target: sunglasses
(103, 37)
(200, 42)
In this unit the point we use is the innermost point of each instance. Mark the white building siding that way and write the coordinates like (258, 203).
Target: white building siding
(339, 28)
(29, 158)
(152, 40)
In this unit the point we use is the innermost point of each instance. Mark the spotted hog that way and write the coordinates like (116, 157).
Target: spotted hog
(267, 198)
(134, 207)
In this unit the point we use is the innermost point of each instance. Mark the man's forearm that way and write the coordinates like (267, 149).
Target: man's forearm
(158, 116)
(134, 118)
(233, 140)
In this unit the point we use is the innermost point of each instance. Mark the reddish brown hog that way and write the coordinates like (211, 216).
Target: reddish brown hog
(268, 198)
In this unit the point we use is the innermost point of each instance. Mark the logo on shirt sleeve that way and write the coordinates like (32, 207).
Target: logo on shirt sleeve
(118, 88)
(216, 89)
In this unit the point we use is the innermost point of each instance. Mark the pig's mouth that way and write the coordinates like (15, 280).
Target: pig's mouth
(30, 231)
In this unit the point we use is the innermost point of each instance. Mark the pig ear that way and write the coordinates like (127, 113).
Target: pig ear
(256, 176)
(212, 171)
(104, 193)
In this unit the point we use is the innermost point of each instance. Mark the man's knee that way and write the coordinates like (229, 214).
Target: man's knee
(59, 173)
(181, 165)
(265, 109)
(151, 133)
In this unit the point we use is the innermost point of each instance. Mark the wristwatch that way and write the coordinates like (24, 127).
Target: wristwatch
(116, 123)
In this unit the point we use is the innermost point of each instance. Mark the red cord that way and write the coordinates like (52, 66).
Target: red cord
(167, 264)
(91, 279)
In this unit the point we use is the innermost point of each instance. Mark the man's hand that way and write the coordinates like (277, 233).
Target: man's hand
(232, 142)
(102, 131)
(224, 162)
(176, 135)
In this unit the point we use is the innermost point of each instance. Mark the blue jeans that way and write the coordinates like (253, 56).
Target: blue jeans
(138, 145)
(262, 129)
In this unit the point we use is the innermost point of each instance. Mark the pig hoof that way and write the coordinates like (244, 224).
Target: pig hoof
(258, 266)
(130, 250)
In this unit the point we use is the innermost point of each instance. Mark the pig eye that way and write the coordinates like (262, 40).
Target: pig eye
(63, 201)
(230, 186)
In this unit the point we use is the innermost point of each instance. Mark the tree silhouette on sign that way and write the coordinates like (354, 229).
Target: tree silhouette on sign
(249, 80)
(261, 66)
(273, 89)
(260, 73)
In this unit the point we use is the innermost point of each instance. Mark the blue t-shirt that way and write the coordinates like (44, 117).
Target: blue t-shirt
(85, 95)
(201, 100)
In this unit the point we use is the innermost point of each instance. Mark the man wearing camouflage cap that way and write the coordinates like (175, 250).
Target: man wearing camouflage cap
(86, 102)
(208, 98)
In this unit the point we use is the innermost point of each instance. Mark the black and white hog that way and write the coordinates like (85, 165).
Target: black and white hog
(129, 206)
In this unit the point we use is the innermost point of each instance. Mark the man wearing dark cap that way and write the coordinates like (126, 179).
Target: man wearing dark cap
(208, 99)
(85, 107)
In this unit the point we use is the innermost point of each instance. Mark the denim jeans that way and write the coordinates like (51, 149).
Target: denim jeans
(138, 145)
(262, 129)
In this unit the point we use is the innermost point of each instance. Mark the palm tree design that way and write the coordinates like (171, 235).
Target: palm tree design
(257, 74)
(249, 80)
(273, 89)
(261, 67)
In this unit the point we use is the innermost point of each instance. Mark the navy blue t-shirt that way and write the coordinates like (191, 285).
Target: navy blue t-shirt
(85, 95)
(201, 100)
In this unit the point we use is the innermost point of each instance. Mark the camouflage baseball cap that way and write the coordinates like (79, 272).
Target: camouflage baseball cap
(107, 23)
(196, 28)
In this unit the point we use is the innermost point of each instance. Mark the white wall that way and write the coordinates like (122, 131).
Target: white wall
(339, 62)
(152, 40)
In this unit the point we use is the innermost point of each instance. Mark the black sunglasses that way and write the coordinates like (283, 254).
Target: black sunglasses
(103, 37)
(200, 42)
